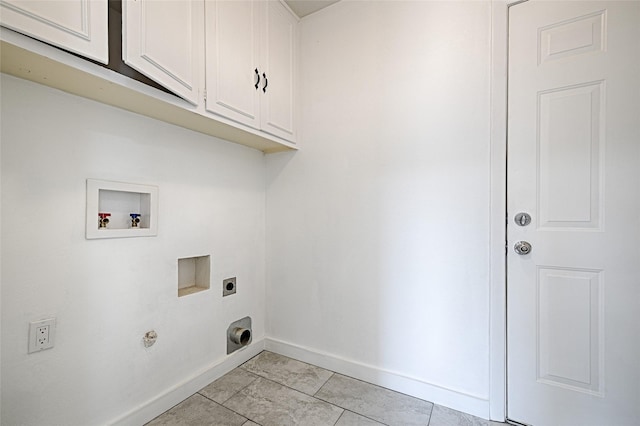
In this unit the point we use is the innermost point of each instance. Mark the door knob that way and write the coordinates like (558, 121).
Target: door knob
(522, 248)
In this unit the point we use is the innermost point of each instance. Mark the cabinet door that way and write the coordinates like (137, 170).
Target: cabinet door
(232, 68)
(162, 40)
(79, 26)
(279, 56)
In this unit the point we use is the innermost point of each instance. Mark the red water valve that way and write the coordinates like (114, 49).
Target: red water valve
(103, 219)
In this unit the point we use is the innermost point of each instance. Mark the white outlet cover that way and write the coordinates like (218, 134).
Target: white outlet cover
(34, 344)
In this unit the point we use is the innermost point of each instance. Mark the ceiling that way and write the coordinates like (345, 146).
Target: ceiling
(307, 7)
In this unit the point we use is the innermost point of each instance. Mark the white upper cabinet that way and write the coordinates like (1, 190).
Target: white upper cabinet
(163, 39)
(79, 26)
(251, 62)
(278, 62)
(232, 75)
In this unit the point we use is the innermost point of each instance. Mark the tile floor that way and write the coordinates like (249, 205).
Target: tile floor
(273, 390)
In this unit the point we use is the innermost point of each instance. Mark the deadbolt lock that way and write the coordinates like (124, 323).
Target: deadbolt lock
(522, 219)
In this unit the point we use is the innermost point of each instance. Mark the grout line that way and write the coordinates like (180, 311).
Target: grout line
(259, 376)
(243, 388)
(294, 390)
(287, 386)
(330, 377)
(227, 408)
(326, 381)
(366, 417)
(333, 373)
(343, 411)
(235, 393)
(255, 356)
(354, 412)
(253, 421)
(387, 389)
(314, 396)
(318, 398)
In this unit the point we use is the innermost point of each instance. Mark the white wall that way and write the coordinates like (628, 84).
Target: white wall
(378, 229)
(106, 294)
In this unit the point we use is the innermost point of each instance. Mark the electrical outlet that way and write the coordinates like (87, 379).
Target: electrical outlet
(41, 334)
(228, 286)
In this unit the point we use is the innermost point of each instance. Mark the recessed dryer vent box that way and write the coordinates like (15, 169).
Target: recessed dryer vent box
(193, 274)
(117, 202)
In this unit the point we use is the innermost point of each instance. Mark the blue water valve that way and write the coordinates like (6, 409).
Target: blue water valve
(135, 219)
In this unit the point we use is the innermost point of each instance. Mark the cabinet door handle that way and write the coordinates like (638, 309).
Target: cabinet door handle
(258, 79)
(266, 82)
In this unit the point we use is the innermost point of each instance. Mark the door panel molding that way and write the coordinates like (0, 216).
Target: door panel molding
(572, 37)
(571, 201)
(570, 332)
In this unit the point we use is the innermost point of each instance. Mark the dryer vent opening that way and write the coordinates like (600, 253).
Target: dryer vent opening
(239, 334)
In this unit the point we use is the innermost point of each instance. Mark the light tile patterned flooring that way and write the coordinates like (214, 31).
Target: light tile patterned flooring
(273, 390)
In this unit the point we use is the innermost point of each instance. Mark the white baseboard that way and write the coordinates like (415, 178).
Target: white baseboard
(457, 400)
(181, 391)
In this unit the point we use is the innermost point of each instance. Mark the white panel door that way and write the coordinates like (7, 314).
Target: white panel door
(79, 26)
(162, 39)
(279, 47)
(574, 154)
(233, 75)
